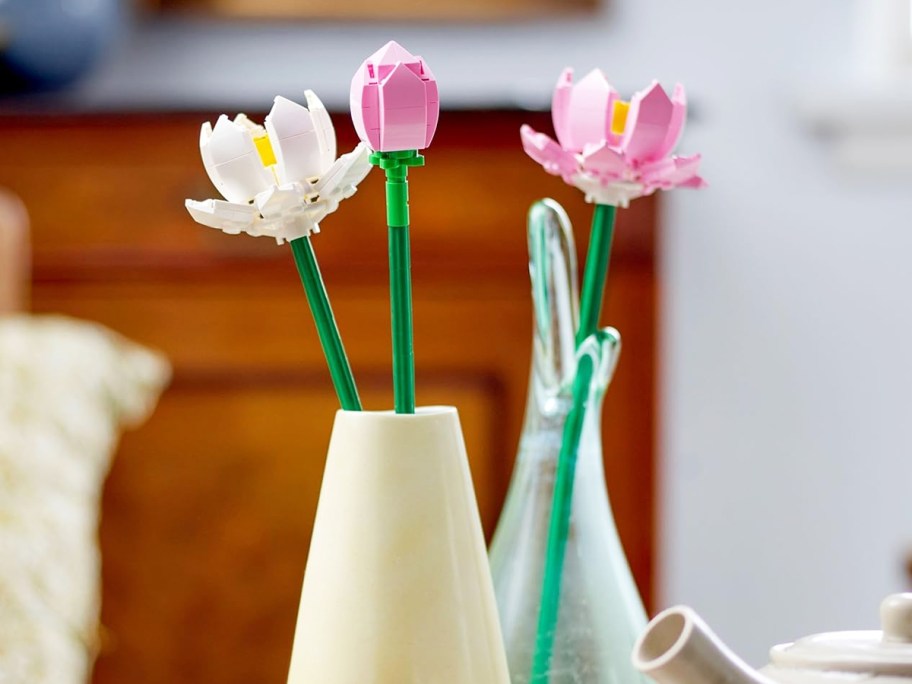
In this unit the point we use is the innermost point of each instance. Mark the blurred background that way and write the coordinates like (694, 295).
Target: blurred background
(758, 444)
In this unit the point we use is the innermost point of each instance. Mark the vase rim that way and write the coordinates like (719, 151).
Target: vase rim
(420, 412)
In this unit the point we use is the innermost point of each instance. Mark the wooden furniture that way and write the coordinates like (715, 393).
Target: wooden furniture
(208, 509)
(361, 10)
(15, 270)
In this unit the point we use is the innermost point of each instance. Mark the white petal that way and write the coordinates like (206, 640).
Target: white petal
(324, 127)
(226, 216)
(345, 174)
(286, 213)
(280, 201)
(617, 193)
(232, 160)
(298, 141)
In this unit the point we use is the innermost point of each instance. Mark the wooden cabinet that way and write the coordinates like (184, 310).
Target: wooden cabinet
(208, 508)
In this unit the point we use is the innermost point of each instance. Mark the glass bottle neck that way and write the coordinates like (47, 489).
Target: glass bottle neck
(543, 433)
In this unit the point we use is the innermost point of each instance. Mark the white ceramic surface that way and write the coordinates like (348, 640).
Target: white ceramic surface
(397, 588)
(678, 648)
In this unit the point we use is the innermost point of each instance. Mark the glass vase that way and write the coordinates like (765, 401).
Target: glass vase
(600, 613)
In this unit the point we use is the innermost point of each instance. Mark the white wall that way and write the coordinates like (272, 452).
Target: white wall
(786, 369)
(788, 382)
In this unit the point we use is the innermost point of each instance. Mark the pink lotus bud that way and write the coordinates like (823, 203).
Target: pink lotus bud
(394, 102)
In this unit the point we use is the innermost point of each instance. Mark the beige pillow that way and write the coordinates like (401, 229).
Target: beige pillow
(66, 390)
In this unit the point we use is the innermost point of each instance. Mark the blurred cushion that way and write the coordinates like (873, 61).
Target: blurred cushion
(67, 388)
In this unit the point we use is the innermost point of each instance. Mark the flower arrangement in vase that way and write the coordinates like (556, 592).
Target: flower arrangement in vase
(568, 604)
(397, 588)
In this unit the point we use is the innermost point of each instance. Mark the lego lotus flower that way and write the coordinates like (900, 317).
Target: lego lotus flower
(280, 180)
(614, 151)
(394, 101)
(394, 107)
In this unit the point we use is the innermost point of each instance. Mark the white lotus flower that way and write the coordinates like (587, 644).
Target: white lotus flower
(280, 180)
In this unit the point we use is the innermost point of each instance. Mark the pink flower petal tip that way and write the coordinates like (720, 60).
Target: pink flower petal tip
(613, 150)
(394, 101)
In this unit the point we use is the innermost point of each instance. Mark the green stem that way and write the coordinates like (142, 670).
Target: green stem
(401, 314)
(594, 277)
(559, 526)
(596, 272)
(339, 368)
(397, 218)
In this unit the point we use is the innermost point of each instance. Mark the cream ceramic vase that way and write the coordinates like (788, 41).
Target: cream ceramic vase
(397, 588)
(677, 647)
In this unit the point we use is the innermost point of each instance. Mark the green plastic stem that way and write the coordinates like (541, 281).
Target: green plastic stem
(591, 298)
(596, 272)
(401, 313)
(397, 218)
(559, 525)
(339, 368)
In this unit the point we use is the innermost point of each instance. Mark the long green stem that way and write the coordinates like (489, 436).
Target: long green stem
(339, 368)
(401, 314)
(594, 278)
(559, 525)
(596, 272)
(397, 218)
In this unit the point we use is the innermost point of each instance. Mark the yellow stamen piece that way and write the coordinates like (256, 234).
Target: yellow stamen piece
(264, 147)
(619, 116)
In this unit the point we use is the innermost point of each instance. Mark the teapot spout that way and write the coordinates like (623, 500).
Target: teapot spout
(678, 647)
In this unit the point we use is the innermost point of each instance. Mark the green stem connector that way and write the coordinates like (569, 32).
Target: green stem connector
(396, 165)
(339, 368)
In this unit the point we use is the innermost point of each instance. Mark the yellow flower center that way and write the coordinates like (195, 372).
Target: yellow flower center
(619, 116)
(264, 147)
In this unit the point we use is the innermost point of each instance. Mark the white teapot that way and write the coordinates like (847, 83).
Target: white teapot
(677, 647)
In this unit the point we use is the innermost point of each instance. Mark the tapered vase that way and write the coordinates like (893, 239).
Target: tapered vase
(397, 588)
(599, 612)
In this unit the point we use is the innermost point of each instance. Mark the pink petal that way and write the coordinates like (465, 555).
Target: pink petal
(676, 125)
(389, 56)
(560, 105)
(403, 111)
(673, 172)
(548, 153)
(686, 170)
(365, 107)
(391, 53)
(655, 173)
(647, 124)
(696, 183)
(432, 98)
(588, 118)
(604, 162)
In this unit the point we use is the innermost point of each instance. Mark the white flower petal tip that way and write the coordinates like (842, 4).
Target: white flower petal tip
(343, 177)
(303, 140)
(232, 160)
(322, 124)
(226, 216)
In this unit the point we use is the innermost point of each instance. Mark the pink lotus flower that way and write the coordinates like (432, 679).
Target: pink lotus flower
(394, 102)
(614, 151)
